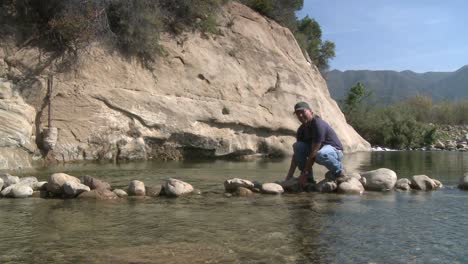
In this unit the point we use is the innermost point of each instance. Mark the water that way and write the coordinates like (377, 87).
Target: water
(394, 227)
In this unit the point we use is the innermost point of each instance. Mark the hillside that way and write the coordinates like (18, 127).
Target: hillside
(392, 86)
(223, 95)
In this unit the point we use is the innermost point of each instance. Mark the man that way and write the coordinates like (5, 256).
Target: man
(316, 143)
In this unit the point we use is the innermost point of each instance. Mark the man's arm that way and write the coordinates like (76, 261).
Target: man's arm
(292, 168)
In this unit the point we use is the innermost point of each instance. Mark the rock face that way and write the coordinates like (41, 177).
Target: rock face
(379, 180)
(225, 94)
(16, 128)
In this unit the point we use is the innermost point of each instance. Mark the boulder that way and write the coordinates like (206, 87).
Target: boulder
(72, 189)
(7, 191)
(57, 180)
(351, 186)
(98, 194)
(8, 179)
(136, 188)
(272, 188)
(28, 181)
(463, 183)
(403, 184)
(93, 183)
(21, 191)
(231, 185)
(120, 193)
(379, 180)
(326, 186)
(176, 188)
(423, 183)
(38, 186)
(243, 192)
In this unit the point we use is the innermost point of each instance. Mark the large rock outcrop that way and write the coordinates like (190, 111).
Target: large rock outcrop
(230, 93)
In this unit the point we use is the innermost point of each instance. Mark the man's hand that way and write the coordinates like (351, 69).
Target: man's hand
(303, 178)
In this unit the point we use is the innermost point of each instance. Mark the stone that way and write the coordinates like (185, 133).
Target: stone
(21, 191)
(1, 184)
(94, 183)
(290, 185)
(153, 191)
(231, 185)
(72, 188)
(120, 193)
(8, 179)
(423, 183)
(28, 181)
(98, 194)
(39, 186)
(272, 188)
(326, 186)
(7, 191)
(176, 188)
(243, 192)
(50, 136)
(403, 184)
(463, 183)
(379, 180)
(136, 188)
(57, 180)
(351, 186)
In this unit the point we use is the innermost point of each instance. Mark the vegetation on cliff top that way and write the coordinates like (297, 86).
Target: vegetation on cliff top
(133, 26)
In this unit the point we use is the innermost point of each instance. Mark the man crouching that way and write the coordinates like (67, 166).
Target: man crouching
(316, 143)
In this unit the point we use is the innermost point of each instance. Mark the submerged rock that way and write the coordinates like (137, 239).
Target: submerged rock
(153, 191)
(98, 194)
(94, 183)
(379, 180)
(176, 188)
(243, 192)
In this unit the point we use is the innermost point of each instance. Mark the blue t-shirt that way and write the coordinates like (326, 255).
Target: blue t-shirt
(318, 131)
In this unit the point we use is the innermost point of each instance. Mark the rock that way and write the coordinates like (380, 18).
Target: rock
(8, 179)
(423, 183)
(38, 186)
(272, 188)
(7, 191)
(50, 136)
(439, 145)
(379, 180)
(351, 186)
(21, 191)
(1, 184)
(28, 181)
(243, 192)
(326, 186)
(463, 183)
(176, 188)
(135, 149)
(231, 185)
(72, 189)
(290, 185)
(438, 184)
(98, 194)
(120, 193)
(57, 180)
(403, 184)
(93, 183)
(153, 191)
(136, 188)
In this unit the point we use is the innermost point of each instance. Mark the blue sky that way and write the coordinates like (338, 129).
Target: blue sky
(417, 35)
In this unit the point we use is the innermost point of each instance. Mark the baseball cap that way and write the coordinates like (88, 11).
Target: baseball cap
(301, 106)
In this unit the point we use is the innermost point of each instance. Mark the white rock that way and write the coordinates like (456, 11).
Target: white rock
(120, 193)
(423, 183)
(72, 188)
(136, 188)
(379, 180)
(28, 181)
(8, 179)
(21, 191)
(39, 185)
(174, 187)
(272, 188)
(232, 184)
(351, 186)
(7, 191)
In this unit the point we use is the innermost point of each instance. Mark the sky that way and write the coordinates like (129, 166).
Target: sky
(416, 35)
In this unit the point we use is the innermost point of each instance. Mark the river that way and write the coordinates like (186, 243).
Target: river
(392, 227)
